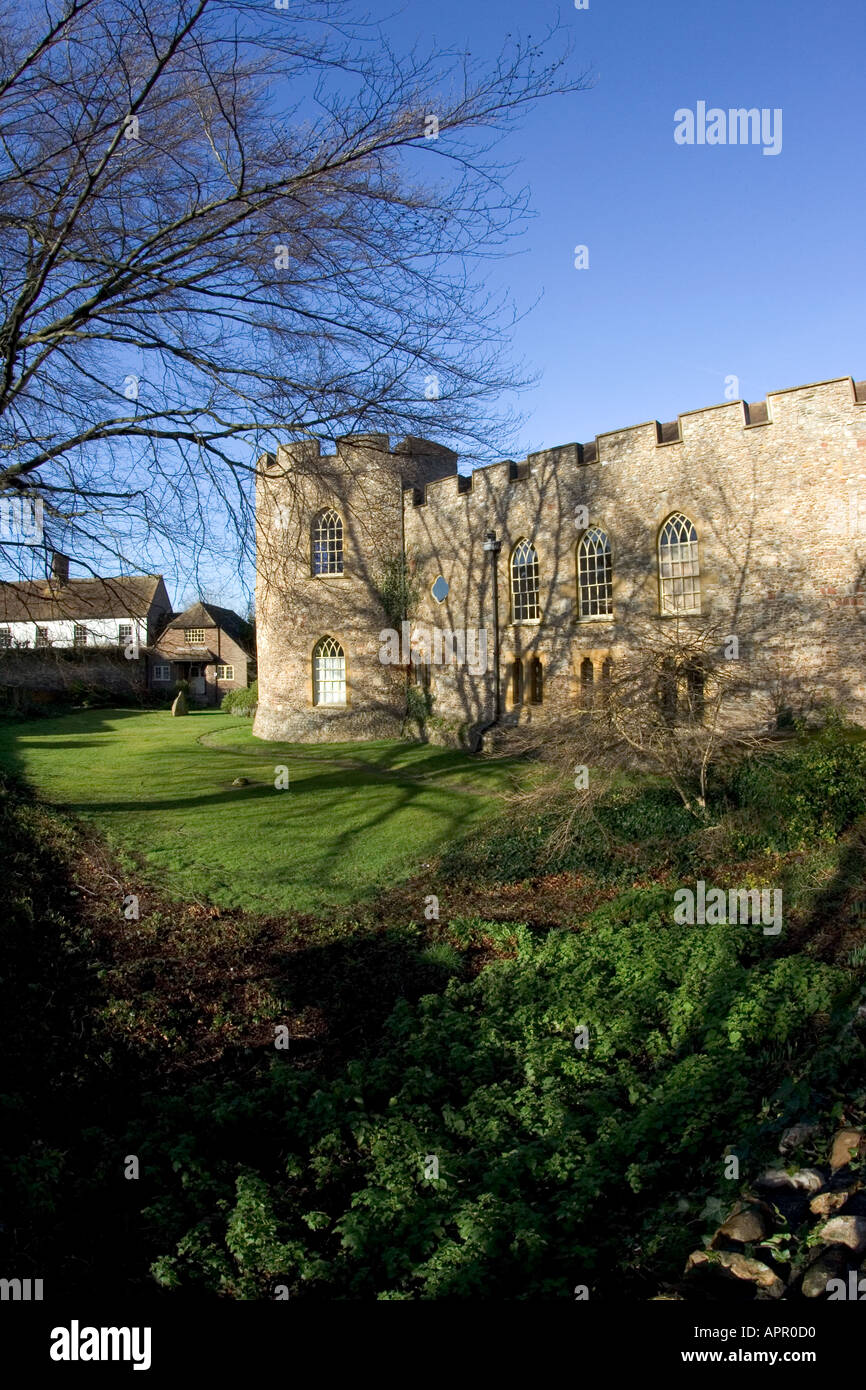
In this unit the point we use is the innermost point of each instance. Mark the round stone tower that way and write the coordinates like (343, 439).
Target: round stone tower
(328, 526)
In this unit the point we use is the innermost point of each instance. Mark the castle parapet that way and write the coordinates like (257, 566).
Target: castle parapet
(297, 453)
(669, 433)
(756, 413)
(350, 445)
(424, 464)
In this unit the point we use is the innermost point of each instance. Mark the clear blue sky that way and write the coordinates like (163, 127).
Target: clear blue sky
(704, 261)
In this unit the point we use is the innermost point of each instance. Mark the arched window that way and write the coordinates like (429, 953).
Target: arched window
(524, 582)
(586, 678)
(516, 681)
(679, 572)
(536, 681)
(329, 673)
(328, 543)
(594, 575)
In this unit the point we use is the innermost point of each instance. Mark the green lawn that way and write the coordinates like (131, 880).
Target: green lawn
(356, 817)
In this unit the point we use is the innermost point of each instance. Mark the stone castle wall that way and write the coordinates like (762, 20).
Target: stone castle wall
(364, 482)
(776, 490)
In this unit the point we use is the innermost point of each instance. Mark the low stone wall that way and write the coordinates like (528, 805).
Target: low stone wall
(798, 1232)
(44, 676)
(322, 725)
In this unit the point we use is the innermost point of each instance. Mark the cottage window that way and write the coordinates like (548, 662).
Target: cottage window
(524, 582)
(329, 673)
(225, 673)
(194, 636)
(679, 571)
(162, 673)
(124, 634)
(79, 635)
(5, 637)
(595, 574)
(42, 636)
(328, 544)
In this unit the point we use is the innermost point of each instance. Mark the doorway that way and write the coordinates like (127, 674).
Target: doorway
(197, 683)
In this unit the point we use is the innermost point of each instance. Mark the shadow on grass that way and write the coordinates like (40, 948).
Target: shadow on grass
(76, 1075)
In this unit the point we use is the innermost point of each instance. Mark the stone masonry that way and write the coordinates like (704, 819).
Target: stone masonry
(776, 491)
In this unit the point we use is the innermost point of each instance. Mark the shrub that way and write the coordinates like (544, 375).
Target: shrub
(812, 789)
(241, 701)
(399, 587)
(698, 1041)
(419, 703)
(517, 848)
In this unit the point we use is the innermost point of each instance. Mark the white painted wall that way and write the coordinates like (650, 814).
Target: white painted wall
(101, 632)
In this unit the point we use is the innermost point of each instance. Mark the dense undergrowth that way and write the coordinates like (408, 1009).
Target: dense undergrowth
(433, 1130)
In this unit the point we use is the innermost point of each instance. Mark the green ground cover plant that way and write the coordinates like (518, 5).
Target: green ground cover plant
(469, 1106)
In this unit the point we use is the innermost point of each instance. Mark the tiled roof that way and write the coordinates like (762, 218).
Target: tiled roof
(41, 600)
(207, 615)
(170, 653)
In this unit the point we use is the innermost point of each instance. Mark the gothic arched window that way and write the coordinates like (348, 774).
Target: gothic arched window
(524, 582)
(594, 574)
(328, 543)
(329, 673)
(679, 571)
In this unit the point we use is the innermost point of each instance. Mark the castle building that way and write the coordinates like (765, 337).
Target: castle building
(529, 581)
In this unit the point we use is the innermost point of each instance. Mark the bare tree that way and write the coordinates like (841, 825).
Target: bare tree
(672, 707)
(217, 231)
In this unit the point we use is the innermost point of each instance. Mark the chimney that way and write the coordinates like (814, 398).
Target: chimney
(59, 567)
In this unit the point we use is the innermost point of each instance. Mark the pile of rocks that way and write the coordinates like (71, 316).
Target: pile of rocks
(797, 1233)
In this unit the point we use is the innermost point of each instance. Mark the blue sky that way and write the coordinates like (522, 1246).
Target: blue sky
(706, 261)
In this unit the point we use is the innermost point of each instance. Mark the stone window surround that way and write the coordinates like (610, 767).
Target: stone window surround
(587, 571)
(327, 548)
(686, 576)
(313, 702)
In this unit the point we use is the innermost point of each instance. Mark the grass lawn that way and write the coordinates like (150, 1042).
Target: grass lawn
(355, 816)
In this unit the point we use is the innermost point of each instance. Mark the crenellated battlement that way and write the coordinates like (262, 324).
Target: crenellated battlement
(606, 448)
